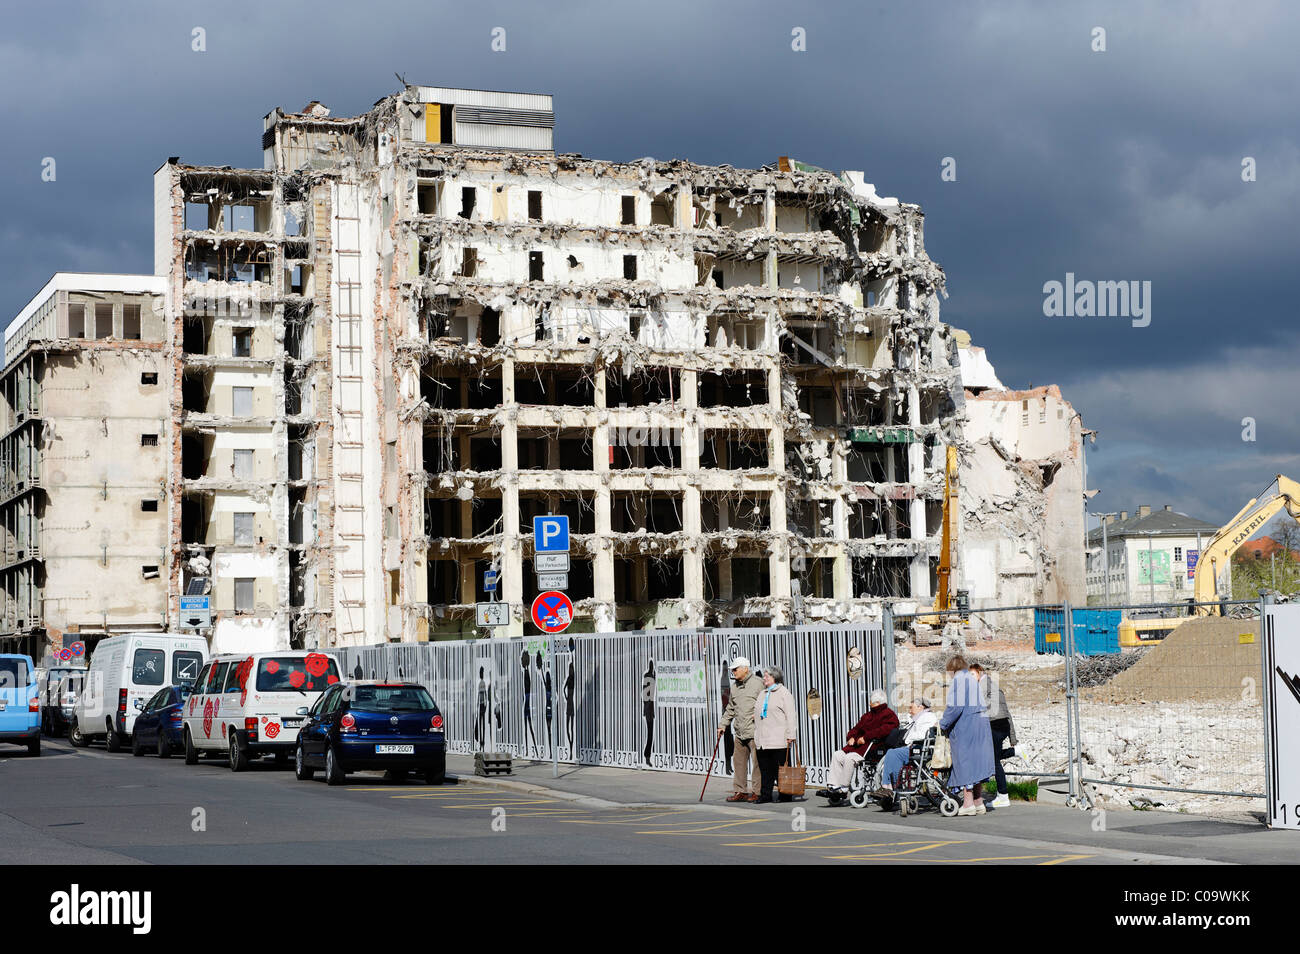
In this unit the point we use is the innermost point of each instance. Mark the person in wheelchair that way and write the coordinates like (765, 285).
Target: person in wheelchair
(868, 735)
(900, 745)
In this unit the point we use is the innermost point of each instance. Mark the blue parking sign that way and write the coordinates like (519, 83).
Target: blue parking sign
(551, 534)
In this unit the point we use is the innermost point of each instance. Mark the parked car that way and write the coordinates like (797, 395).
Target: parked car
(51, 683)
(253, 705)
(368, 725)
(161, 723)
(125, 672)
(20, 702)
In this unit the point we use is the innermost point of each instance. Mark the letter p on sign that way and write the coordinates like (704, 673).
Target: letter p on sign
(551, 534)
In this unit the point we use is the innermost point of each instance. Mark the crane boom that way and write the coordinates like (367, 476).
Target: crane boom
(1282, 492)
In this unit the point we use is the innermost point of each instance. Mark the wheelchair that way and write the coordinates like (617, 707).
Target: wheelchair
(918, 779)
(868, 775)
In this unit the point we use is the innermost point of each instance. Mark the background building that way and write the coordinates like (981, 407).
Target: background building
(1150, 555)
(84, 463)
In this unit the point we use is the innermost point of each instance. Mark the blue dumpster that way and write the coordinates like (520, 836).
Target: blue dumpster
(1096, 632)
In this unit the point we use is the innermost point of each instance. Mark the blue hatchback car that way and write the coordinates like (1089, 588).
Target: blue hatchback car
(395, 727)
(20, 702)
(160, 723)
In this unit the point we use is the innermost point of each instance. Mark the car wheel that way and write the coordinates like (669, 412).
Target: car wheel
(34, 746)
(437, 774)
(75, 737)
(164, 747)
(238, 755)
(191, 753)
(300, 769)
(112, 740)
(334, 774)
(137, 747)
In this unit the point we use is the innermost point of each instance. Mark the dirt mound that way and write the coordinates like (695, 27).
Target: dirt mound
(1202, 660)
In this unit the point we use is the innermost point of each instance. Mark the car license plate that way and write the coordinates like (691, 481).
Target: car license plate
(394, 750)
(291, 723)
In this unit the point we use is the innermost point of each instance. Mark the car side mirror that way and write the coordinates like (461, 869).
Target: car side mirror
(302, 710)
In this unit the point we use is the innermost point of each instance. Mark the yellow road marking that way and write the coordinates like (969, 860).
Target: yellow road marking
(705, 828)
(813, 836)
(927, 846)
(1058, 859)
(638, 820)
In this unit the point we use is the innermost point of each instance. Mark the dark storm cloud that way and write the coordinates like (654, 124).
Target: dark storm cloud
(1117, 165)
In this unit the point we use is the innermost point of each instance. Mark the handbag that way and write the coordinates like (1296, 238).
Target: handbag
(941, 757)
(790, 778)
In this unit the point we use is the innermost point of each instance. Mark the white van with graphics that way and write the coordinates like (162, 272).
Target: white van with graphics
(125, 672)
(247, 705)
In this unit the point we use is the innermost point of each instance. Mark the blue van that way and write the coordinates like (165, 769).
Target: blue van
(20, 703)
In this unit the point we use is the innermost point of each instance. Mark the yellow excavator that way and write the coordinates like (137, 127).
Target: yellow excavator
(1282, 492)
(943, 597)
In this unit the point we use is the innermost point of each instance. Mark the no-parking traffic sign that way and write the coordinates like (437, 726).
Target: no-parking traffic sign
(552, 612)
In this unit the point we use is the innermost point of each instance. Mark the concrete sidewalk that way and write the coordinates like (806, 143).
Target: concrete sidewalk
(1139, 837)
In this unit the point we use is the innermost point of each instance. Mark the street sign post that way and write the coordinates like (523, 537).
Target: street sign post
(552, 612)
(492, 614)
(551, 534)
(551, 563)
(552, 581)
(195, 612)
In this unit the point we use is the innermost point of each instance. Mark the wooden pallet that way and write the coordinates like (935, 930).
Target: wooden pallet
(491, 763)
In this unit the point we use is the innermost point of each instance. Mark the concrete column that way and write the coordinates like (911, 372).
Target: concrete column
(605, 610)
(778, 564)
(920, 568)
(512, 559)
(693, 554)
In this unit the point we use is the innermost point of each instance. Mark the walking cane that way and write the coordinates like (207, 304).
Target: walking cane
(711, 760)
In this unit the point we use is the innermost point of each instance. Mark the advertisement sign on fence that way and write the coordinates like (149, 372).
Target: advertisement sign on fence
(679, 685)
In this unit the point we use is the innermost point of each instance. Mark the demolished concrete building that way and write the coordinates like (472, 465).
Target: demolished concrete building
(1023, 480)
(417, 328)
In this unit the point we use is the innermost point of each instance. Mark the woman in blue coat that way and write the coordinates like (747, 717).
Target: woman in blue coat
(967, 726)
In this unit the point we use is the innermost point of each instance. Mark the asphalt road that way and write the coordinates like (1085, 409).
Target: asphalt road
(84, 806)
(90, 806)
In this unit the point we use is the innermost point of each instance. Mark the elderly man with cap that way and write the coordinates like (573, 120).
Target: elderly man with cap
(872, 729)
(739, 715)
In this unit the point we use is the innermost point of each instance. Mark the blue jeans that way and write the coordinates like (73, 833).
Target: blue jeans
(894, 761)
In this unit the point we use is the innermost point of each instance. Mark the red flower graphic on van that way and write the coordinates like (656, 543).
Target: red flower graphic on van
(317, 663)
(272, 666)
(207, 718)
(331, 680)
(241, 674)
(194, 700)
(273, 730)
(297, 678)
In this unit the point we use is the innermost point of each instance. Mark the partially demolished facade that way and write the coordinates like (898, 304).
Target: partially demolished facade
(1023, 485)
(415, 329)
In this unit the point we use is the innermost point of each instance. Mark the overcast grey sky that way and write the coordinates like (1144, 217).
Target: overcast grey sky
(1117, 165)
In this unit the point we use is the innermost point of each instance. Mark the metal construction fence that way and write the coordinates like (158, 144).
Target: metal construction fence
(647, 699)
(1182, 714)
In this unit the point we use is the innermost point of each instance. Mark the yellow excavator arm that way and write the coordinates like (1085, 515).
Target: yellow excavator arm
(1213, 560)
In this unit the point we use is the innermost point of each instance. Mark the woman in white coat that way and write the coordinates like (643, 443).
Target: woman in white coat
(775, 724)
